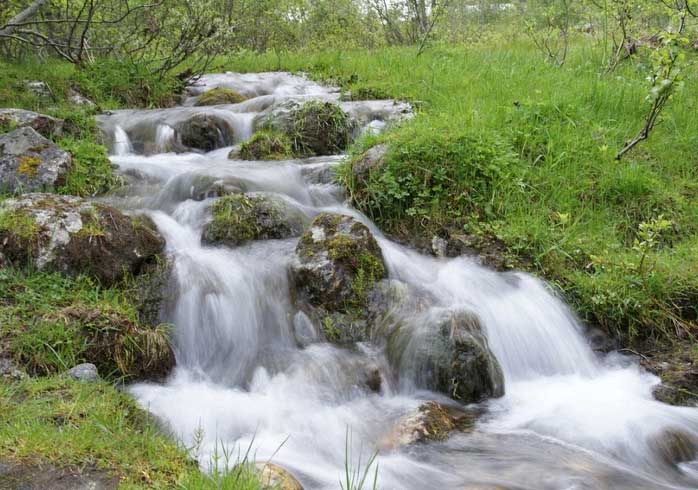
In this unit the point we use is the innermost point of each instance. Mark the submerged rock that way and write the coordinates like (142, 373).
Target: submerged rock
(449, 353)
(220, 95)
(239, 218)
(41, 123)
(29, 162)
(205, 132)
(274, 477)
(74, 236)
(675, 446)
(338, 263)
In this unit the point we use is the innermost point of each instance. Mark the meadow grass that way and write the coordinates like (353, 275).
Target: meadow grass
(546, 182)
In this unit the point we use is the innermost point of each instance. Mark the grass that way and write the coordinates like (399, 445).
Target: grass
(69, 423)
(50, 323)
(507, 146)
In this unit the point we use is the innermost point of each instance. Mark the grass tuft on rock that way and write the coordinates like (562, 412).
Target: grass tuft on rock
(219, 96)
(267, 145)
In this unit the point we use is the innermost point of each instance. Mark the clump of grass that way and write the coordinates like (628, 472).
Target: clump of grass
(91, 172)
(267, 145)
(319, 128)
(220, 95)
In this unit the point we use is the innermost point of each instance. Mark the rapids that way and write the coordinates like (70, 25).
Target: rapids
(570, 420)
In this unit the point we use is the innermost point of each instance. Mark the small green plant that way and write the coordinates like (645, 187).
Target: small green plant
(332, 333)
(91, 172)
(358, 477)
(267, 145)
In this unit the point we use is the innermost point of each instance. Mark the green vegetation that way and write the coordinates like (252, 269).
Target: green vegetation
(318, 128)
(65, 422)
(234, 219)
(531, 162)
(220, 95)
(91, 173)
(267, 145)
(50, 323)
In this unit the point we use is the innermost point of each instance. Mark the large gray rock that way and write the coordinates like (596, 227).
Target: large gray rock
(74, 236)
(338, 263)
(29, 162)
(205, 132)
(448, 352)
(239, 218)
(41, 123)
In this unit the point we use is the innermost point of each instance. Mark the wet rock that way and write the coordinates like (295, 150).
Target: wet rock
(371, 160)
(74, 236)
(677, 366)
(429, 422)
(41, 123)
(220, 95)
(239, 218)
(205, 132)
(43, 476)
(449, 353)
(85, 372)
(319, 173)
(274, 477)
(316, 128)
(600, 341)
(338, 262)
(29, 162)
(674, 446)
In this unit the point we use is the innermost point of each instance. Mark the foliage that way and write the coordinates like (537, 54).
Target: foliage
(91, 172)
(267, 145)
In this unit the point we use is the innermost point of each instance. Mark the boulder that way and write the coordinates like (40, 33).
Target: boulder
(274, 477)
(205, 132)
(39, 88)
(431, 421)
(316, 128)
(74, 236)
(85, 372)
(264, 145)
(41, 123)
(29, 162)
(369, 161)
(448, 352)
(338, 263)
(239, 218)
(220, 95)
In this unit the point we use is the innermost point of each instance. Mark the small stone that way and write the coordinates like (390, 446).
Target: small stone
(85, 372)
(431, 421)
(274, 477)
(39, 88)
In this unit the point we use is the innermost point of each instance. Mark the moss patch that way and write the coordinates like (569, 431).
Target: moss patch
(220, 95)
(319, 128)
(29, 165)
(267, 145)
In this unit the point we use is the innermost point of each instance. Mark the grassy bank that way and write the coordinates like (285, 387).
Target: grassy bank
(506, 146)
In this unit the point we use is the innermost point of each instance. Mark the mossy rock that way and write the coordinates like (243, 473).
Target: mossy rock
(74, 236)
(239, 218)
(315, 128)
(265, 145)
(220, 96)
(205, 132)
(339, 262)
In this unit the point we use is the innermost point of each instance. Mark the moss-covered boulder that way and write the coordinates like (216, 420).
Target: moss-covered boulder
(219, 96)
(315, 128)
(29, 162)
(265, 145)
(41, 123)
(448, 352)
(338, 263)
(74, 236)
(205, 132)
(239, 218)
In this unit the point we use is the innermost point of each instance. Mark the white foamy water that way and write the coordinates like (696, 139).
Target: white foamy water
(568, 420)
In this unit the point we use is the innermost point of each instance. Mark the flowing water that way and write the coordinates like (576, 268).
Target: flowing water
(251, 372)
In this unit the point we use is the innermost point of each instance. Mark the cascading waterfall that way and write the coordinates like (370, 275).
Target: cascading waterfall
(569, 419)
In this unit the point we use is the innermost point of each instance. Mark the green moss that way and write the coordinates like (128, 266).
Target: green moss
(29, 165)
(19, 224)
(319, 128)
(267, 145)
(91, 172)
(220, 95)
(232, 220)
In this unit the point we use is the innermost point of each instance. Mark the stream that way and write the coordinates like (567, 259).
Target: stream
(252, 373)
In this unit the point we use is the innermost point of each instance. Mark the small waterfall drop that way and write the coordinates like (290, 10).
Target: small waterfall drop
(568, 420)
